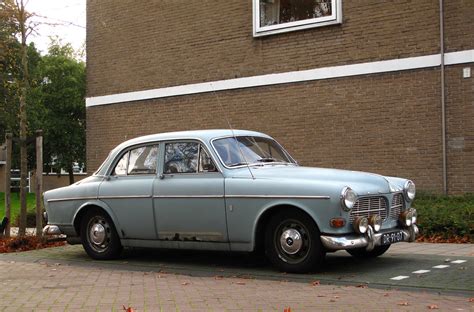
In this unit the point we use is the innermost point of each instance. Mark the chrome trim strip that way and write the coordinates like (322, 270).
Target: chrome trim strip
(70, 198)
(124, 196)
(191, 196)
(242, 196)
(278, 196)
(188, 196)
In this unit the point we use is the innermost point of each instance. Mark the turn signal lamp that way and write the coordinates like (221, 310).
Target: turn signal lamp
(337, 222)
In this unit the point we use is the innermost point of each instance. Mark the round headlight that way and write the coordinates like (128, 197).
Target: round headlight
(410, 190)
(406, 218)
(376, 222)
(361, 225)
(348, 198)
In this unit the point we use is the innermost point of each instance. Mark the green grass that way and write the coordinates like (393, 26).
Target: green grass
(15, 206)
(447, 216)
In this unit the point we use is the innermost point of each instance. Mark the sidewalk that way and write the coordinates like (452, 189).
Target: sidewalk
(40, 283)
(462, 250)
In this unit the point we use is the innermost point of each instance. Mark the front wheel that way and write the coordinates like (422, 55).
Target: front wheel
(99, 237)
(292, 242)
(364, 254)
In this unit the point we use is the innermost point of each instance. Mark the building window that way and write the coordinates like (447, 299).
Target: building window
(277, 16)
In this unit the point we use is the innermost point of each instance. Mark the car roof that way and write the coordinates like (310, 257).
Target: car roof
(203, 135)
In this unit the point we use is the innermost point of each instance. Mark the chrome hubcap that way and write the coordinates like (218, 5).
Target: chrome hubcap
(97, 234)
(291, 241)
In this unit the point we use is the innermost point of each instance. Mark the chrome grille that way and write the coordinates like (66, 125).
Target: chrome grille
(369, 206)
(396, 207)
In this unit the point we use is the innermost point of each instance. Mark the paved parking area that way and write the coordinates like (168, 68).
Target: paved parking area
(64, 279)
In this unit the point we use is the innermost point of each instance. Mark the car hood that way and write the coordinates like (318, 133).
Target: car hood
(363, 183)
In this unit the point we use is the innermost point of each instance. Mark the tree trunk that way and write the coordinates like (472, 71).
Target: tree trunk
(23, 131)
(71, 175)
(39, 182)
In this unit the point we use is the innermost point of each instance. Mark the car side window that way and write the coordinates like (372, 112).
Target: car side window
(181, 157)
(140, 160)
(143, 160)
(205, 161)
(187, 157)
(121, 167)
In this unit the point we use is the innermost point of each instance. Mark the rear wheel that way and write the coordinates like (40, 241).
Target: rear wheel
(292, 242)
(99, 237)
(374, 253)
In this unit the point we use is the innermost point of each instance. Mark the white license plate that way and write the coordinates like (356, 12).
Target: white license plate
(392, 237)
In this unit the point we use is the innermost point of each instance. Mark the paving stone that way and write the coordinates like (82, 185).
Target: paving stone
(79, 283)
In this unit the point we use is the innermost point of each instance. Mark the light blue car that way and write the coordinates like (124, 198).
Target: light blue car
(230, 190)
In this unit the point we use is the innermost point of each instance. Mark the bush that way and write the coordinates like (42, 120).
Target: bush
(448, 216)
(30, 219)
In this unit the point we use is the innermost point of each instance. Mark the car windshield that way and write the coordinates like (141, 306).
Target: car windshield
(243, 150)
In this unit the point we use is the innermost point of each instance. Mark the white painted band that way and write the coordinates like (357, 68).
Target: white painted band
(408, 63)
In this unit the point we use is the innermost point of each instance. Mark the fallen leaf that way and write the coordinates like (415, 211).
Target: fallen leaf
(185, 283)
(316, 283)
(287, 309)
(362, 286)
(433, 307)
(471, 299)
(336, 296)
(403, 303)
(129, 309)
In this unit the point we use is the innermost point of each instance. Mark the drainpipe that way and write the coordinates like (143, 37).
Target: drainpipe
(443, 101)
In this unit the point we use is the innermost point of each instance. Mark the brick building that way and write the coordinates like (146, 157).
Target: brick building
(349, 84)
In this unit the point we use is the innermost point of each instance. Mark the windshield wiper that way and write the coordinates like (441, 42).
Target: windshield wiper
(238, 164)
(267, 159)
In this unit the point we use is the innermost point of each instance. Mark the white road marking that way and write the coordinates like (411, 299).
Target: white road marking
(458, 261)
(421, 271)
(441, 266)
(400, 277)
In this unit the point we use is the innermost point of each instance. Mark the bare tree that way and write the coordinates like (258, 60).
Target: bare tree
(16, 9)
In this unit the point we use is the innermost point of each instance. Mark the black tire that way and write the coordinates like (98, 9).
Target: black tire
(99, 236)
(364, 254)
(301, 251)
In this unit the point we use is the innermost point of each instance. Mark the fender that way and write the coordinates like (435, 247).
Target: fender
(107, 209)
(279, 203)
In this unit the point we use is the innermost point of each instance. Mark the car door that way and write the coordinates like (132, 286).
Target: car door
(189, 195)
(128, 191)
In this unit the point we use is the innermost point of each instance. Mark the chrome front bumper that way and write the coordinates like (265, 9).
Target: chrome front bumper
(49, 230)
(368, 240)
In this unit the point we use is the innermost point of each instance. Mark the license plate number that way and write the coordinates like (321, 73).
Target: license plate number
(392, 237)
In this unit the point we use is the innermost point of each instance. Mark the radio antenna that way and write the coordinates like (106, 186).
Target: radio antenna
(231, 129)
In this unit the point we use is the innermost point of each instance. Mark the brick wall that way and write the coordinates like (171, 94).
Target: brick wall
(386, 123)
(152, 44)
(460, 129)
